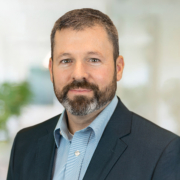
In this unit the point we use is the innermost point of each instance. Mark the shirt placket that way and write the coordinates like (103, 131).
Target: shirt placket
(76, 154)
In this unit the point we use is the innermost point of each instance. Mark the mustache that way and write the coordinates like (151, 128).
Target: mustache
(80, 84)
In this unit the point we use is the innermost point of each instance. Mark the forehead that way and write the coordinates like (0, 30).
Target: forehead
(88, 39)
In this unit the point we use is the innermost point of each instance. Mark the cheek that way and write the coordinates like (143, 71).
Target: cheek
(104, 76)
(60, 78)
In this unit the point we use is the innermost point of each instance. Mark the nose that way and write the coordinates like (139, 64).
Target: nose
(79, 71)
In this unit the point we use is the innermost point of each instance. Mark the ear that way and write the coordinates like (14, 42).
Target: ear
(119, 67)
(50, 69)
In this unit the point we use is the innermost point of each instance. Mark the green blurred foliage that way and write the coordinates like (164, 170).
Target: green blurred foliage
(12, 98)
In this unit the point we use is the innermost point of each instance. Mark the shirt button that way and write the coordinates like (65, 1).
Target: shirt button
(77, 153)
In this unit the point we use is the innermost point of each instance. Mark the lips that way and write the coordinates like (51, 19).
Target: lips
(80, 90)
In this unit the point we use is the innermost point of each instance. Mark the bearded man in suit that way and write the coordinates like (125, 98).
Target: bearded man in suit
(96, 137)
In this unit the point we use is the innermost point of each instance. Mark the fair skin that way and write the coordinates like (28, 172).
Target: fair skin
(82, 54)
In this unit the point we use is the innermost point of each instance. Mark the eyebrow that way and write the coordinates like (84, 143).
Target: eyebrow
(63, 54)
(94, 53)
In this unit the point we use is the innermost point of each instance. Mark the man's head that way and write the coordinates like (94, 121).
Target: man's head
(85, 62)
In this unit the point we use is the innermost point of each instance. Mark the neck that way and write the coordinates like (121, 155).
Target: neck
(76, 123)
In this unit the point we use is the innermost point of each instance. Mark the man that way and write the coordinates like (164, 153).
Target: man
(96, 137)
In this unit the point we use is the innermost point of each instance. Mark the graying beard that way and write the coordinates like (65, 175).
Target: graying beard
(93, 106)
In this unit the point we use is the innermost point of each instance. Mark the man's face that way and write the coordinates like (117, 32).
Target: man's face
(83, 71)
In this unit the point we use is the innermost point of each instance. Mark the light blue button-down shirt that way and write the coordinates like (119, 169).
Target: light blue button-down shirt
(74, 152)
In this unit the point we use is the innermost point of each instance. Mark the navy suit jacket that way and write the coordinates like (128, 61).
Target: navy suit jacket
(131, 148)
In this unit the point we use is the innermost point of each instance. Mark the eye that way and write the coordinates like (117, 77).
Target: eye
(94, 60)
(65, 61)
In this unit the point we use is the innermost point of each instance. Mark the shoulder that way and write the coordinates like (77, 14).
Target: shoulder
(38, 130)
(153, 134)
(160, 146)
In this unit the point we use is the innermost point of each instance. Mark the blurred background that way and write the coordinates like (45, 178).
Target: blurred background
(149, 38)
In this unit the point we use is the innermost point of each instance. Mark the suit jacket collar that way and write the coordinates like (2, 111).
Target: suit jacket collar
(111, 145)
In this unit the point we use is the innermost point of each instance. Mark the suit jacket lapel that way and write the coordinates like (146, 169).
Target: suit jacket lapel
(110, 147)
(45, 156)
(46, 153)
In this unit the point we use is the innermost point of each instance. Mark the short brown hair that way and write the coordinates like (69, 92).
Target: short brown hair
(79, 19)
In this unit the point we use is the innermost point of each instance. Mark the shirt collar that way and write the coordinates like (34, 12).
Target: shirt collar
(100, 122)
(62, 129)
(98, 125)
